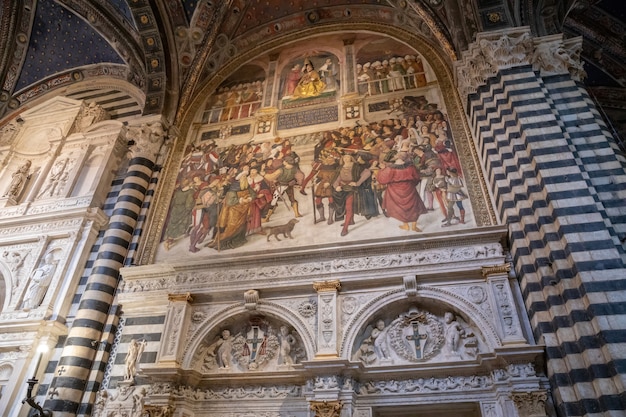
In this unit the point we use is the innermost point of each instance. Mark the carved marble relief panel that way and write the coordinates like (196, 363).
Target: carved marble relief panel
(249, 343)
(417, 335)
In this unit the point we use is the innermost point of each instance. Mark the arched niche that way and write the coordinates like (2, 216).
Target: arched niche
(238, 340)
(3, 291)
(435, 326)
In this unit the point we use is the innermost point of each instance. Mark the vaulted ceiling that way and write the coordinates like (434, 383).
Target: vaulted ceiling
(168, 49)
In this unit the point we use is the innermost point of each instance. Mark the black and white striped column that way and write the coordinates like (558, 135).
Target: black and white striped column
(76, 382)
(556, 178)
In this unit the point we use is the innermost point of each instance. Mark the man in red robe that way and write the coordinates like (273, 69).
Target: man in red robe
(401, 199)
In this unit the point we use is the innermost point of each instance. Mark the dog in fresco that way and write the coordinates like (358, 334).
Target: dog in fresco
(284, 229)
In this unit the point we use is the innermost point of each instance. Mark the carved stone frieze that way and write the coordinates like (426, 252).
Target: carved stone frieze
(239, 393)
(307, 270)
(40, 228)
(126, 400)
(158, 411)
(426, 385)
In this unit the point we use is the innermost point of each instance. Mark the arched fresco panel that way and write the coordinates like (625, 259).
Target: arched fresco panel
(323, 166)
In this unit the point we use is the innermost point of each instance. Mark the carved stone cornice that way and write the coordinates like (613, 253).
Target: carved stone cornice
(326, 408)
(496, 269)
(180, 297)
(326, 286)
(194, 277)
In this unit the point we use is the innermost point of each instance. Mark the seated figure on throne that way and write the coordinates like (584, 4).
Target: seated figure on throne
(311, 84)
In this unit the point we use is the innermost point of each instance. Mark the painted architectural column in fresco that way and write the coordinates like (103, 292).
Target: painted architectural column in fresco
(327, 317)
(74, 368)
(350, 71)
(269, 100)
(554, 168)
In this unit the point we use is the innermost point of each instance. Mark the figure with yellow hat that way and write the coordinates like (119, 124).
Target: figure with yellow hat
(311, 84)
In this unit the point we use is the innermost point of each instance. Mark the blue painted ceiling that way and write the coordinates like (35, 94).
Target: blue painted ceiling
(60, 41)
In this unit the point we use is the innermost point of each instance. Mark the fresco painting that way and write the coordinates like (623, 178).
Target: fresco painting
(394, 173)
(310, 79)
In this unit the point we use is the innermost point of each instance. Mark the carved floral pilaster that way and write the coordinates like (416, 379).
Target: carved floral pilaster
(177, 321)
(504, 303)
(327, 317)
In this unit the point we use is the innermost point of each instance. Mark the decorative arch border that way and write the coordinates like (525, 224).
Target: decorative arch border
(6, 276)
(275, 310)
(374, 306)
(436, 58)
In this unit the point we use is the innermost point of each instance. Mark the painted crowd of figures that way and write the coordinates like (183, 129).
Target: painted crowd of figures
(397, 168)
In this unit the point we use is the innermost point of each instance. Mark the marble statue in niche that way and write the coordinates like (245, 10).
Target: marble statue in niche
(133, 356)
(39, 282)
(18, 180)
(59, 174)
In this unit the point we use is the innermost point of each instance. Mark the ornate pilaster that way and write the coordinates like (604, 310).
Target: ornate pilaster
(498, 279)
(268, 96)
(531, 403)
(327, 318)
(176, 324)
(350, 82)
(326, 408)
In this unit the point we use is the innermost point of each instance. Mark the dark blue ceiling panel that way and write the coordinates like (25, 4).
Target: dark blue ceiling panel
(60, 41)
(122, 7)
(190, 7)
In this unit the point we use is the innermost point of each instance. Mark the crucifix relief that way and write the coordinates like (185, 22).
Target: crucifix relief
(419, 339)
(255, 342)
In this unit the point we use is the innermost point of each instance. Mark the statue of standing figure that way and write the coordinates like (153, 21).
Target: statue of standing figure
(39, 283)
(56, 180)
(135, 350)
(453, 333)
(18, 180)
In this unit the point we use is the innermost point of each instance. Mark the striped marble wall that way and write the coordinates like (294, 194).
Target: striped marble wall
(558, 184)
